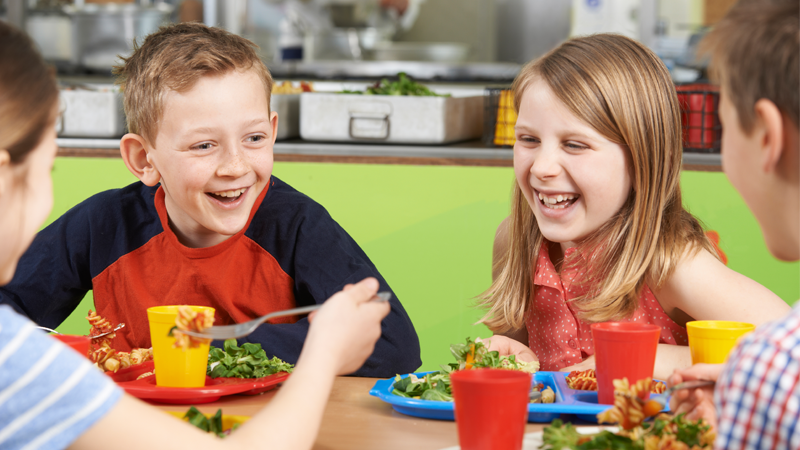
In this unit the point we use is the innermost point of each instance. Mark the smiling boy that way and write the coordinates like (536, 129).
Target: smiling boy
(208, 223)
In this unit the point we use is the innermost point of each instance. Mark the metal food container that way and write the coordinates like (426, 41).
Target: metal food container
(452, 52)
(91, 111)
(288, 108)
(103, 32)
(390, 119)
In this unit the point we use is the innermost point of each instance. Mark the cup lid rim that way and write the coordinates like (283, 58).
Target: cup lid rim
(719, 324)
(625, 327)
(484, 374)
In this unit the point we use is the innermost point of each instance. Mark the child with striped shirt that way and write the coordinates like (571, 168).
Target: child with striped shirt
(52, 397)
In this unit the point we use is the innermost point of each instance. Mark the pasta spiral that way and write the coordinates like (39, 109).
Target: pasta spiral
(586, 380)
(103, 354)
(190, 320)
(627, 410)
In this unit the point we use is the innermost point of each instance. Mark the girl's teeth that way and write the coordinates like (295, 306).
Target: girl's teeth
(551, 202)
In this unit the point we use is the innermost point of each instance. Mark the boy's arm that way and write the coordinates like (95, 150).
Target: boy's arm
(322, 258)
(397, 350)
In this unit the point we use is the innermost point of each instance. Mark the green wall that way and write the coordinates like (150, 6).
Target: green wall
(429, 229)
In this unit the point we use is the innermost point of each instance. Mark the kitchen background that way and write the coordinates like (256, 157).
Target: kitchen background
(424, 209)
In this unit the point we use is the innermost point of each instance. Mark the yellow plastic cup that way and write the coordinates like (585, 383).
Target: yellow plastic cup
(710, 341)
(175, 367)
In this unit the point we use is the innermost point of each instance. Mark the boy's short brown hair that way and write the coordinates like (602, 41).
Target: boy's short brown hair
(174, 58)
(755, 54)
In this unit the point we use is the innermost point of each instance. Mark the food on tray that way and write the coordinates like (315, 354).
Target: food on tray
(211, 424)
(287, 87)
(247, 361)
(475, 354)
(191, 320)
(628, 409)
(548, 396)
(586, 380)
(103, 355)
(100, 325)
(146, 374)
(135, 357)
(472, 355)
(402, 86)
(657, 387)
(664, 432)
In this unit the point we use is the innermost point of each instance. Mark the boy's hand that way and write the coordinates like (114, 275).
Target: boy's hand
(695, 403)
(345, 329)
(507, 346)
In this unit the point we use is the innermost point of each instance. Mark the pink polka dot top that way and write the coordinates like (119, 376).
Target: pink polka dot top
(558, 337)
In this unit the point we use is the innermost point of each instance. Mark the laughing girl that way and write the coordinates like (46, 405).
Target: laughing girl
(597, 230)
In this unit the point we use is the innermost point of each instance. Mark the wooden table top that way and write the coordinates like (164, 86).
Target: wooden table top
(354, 420)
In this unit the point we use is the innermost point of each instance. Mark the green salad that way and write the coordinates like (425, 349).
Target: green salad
(402, 86)
(663, 432)
(211, 424)
(471, 355)
(247, 361)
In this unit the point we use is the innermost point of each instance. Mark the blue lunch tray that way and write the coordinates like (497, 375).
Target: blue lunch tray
(568, 401)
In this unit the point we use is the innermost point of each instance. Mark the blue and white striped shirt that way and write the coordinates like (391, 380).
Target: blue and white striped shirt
(49, 394)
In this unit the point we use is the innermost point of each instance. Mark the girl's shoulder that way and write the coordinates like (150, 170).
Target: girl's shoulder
(706, 289)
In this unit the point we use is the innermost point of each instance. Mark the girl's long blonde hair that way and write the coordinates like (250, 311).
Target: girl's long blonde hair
(621, 89)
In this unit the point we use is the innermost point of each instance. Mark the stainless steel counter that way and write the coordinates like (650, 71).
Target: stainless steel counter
(472, 72)
(473, 153)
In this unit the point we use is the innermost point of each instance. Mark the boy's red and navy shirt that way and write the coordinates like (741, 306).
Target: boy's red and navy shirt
(119, 244)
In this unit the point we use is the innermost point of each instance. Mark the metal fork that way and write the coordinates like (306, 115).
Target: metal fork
(662, 398)
(119, 327)
(692, 384)
(238, 330)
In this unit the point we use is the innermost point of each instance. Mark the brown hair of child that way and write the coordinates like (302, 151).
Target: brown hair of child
(755, 54)
(174, 58)
(623, 90)
(28, 94)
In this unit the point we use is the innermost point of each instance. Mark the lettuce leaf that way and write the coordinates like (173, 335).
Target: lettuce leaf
(247, 361)
(469, 355)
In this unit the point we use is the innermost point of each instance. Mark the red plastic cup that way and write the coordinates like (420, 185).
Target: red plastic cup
(79, 343)
(623, 350)
(491, 408)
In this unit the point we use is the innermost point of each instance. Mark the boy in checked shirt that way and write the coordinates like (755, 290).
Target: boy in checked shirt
(755, 57)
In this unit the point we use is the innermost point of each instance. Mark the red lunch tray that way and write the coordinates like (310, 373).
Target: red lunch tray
(214, 389)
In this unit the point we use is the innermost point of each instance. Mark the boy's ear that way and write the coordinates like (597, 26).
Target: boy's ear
(273, 119)
(772, 149)
(133, 149)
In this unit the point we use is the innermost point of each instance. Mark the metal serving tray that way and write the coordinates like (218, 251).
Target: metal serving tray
(91, 111)
(288, 108)
(390, 119)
